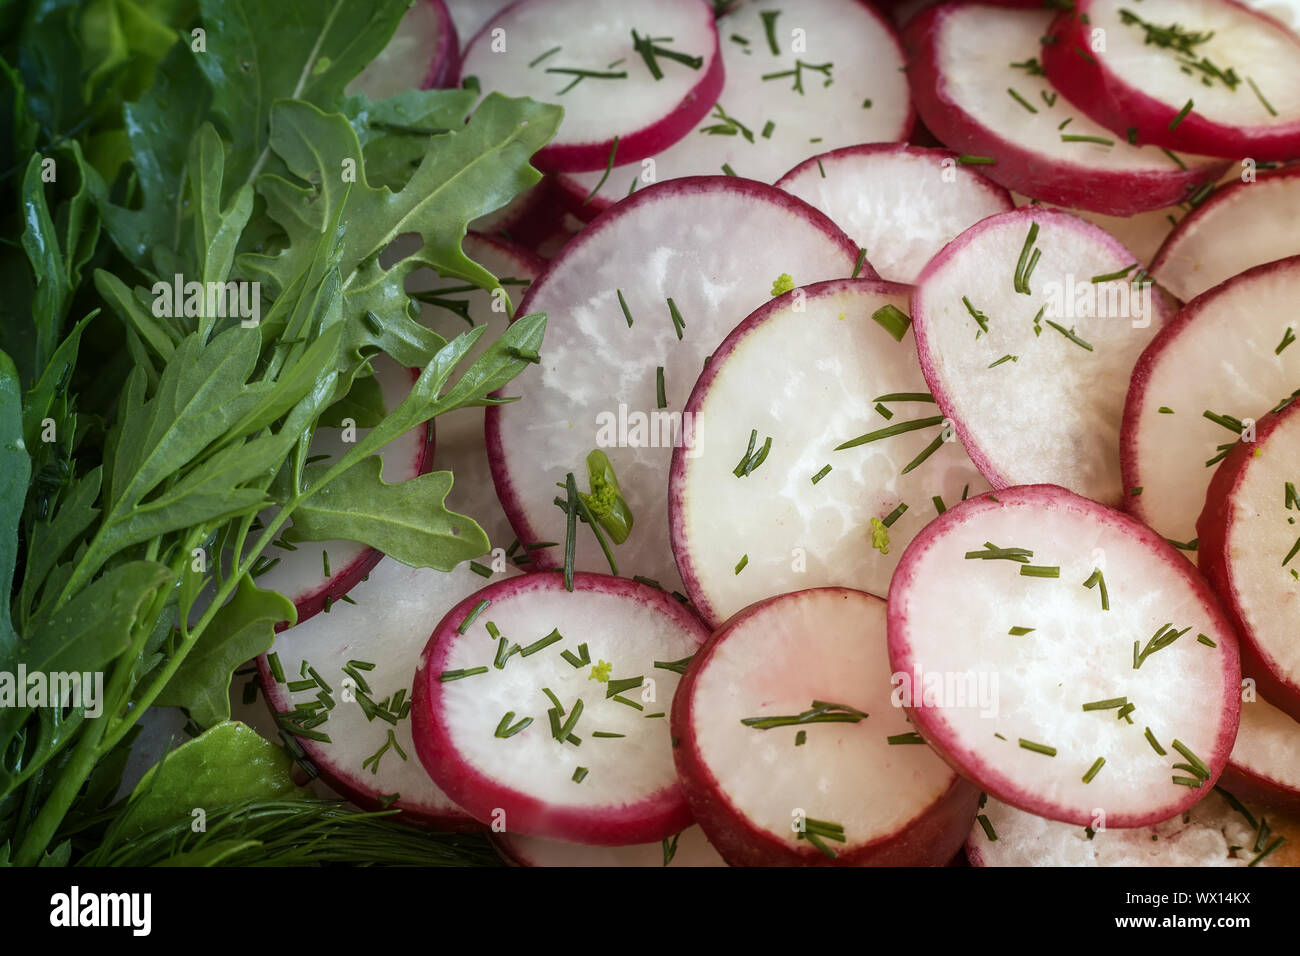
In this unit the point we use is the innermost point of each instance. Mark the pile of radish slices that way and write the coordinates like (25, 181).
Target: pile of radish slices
(884, 493)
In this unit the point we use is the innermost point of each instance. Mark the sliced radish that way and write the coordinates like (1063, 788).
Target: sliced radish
(1265, 764)
(469, 16)
(462, 449)
(1057, 641)
(1210, 833)
(688, 848)
(773, 112)
(424, 54)
(971, 93)
(1034, 380)
(313, 574)
(705, 245)
(828, 777)
(901, 203)
(1239, 226)
(341, 686)
(1141, 233)
(542, 711)
(632, 81)
(1226, 358)
(810, 515)
(1249, 540)
(1204, 76)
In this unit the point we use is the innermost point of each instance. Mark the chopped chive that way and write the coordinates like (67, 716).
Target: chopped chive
(826, 470)
(1020, 631)
(481, 570)
(505, 651)
(1069, 334)
(987, 827)
(1037, 748)
(1005, 358)
(769, 28)
(651, 716)
(1165, 410)
(1198, 765)
(862, 258)
(740, 565)
(801, 738)
(1039, 571)
(1098, 580)
(541, 643)
(980, 318)
(1269, 849)
(580, 774)
(1202, 639)
(727, 170)
(1048, 98)
(493, 631)
(993, 553)
(579, 660)
(1287, 338)
(893, 320)
(1267, 105)
(1132, 134)
(1109, 704)
(605, 735)
(446, 676)
(906, 397)
(767, 129)
(1092, 771)
(1182, 115)
(1074, 138)
(676, 316)
(966, 159)
(1174, 157)
(504, 729)
(939, 506)
(623, 700)
(297, 686)
(925, 453)
(1187, 782)
(911, 737)
(277, 671)
(609, 167)
(622, 303)
(660, 398)
(889, 519)
(1110, 276)
(551, 52)
(1021, 100)
(1155, 744)
(615, 687)
(890, 431)
(571, 530)
(472, 616)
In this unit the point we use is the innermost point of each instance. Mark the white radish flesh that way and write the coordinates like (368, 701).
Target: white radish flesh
(1227, 85)
(470, 16)
(963, 79)
(704, 243)
(772, 112)
(582, 55)
(1030, 628)
(690, 848)
(493, 739)
(835, 362)
(388, 626)
(760, 792)
(1228, 353)
(423, 54)
(1211, 833)
(1051, 412)
(313, 573)
(1250, 541)
(901, 203)
(1240, 226)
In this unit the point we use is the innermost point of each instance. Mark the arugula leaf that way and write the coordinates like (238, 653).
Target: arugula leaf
(15, 467)
(50, 540)
(228, 763)
(408, 520)
(364, 404)
(241, 630)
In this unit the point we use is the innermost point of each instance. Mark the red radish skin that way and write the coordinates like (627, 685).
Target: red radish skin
(641, 818)
(406, 457)
(691, 224)
(959, 69)
(530, 28)
(1084, 388)
(927, 834)
(1267, 646)
(1132, 85)
(777, 512)
(1137, 790)
(777, 126)
(469, 16)
(1264, 768)
(900, 202)
(387, 626)
(1220, 354)
(690, 848)
(423, 54)
(1240, 226)
(1142, 233)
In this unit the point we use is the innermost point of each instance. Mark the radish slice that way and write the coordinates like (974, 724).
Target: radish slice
(823, 784)
(772, 112)
(1211, 833)
(804, 517)
(1205, 76)
(387, 627)
(1265, 764)
(600, 771)
(1248, 536)
(1226, 357)
(969, 93)
(462, 449)
(1141, 233)
(901, 203)
(688, 848)
(582, 54)
(1054, 645)
(1239, 226)
(314, 574)
(471, 15)
(706, 244)
(424, 54)
(1036, 396)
